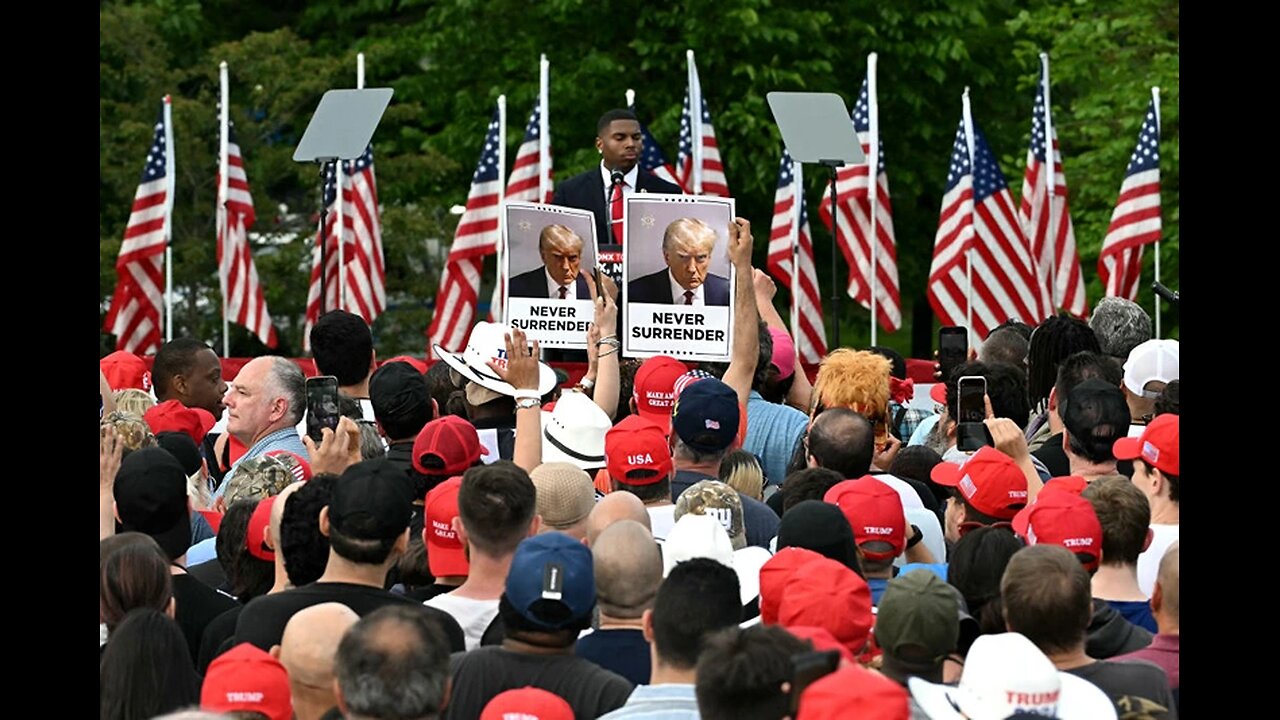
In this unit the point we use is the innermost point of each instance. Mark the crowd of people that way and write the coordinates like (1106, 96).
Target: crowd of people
(478, 540)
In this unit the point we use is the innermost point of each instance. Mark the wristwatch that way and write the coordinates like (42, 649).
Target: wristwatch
(915, 540)
(528, 402)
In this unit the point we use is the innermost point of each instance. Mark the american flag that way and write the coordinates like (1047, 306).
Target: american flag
(855, 223)
(712, 170)
(134, 317)
(364, 267)
(806, 305)
(478, 234)
(1136, 219)
(978, 214)
(523, 185)
(1054, 249)
(652, 158)
(242, 292)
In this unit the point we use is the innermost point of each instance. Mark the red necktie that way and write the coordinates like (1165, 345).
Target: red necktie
(688, 297)
(615, 213)
(563, 291)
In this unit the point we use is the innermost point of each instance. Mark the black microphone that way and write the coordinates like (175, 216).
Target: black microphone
(1164, 292)
(617, 178)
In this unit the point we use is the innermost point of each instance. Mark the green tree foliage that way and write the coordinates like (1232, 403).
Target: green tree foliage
(449, 60)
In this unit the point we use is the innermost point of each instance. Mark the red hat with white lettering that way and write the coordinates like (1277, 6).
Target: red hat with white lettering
(1061, 518)
(637, 444)
(527, 703)
(1157, 447)
(245, 678)
(989, 480)
(654, 391)
(445, 556)
(874, 511)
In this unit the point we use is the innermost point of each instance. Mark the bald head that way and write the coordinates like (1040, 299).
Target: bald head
(614, 507)
(277, 514)
(842, 440)
(310, 642)
(628, 569)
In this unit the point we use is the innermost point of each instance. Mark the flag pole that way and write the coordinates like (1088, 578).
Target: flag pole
(968, 252)
(544, 138)
(797, 205)
(1155, 100)
(168, 218)
(223, 271)
(1051, 187)
(873, 182)
(695, 121)
(502, 173)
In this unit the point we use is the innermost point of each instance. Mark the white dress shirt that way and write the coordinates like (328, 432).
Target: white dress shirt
(678, 291)
(553, 287)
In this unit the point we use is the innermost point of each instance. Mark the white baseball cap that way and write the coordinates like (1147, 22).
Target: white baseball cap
(1004, 674)
(702, 536)
(1150, 361)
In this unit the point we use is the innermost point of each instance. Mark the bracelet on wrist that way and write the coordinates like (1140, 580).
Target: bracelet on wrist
(609, 340)
(606, 354)
(528, 403)
(586, 383)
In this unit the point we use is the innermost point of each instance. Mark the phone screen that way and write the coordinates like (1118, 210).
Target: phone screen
(322, 405)
(971, 432)
(809, 668)
(953, 349)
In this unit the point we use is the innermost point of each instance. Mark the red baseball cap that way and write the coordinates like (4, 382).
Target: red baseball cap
(125, 370)
(874, 511)
(419, 365)
(255, 538)
(774, 576)
(938, 393)
(1073, 484)
(989, 480)
(172, 415)
(527, 703)
(654, 391)
(298, 465)
(822, 640)
(445, 556)
(248, 679)
(637, 444)
(1060, 518)
(453, 440)
(1157, 447)
(854, 691)
(826, 594)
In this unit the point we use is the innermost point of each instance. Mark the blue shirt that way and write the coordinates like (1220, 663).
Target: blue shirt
(772, 430)
(1137, 612)
(878, 586)
(624, 651)
(673, 701)
(282, 439)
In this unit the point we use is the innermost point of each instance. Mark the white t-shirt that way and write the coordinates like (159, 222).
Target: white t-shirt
(910, 498)
(1162, 536)
(473, 615)
(661, 519)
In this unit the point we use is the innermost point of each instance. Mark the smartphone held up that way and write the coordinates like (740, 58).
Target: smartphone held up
(322, 405)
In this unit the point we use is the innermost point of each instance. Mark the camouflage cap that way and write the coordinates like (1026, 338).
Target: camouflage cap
(718, 500)
(133, 431)
(257, 478)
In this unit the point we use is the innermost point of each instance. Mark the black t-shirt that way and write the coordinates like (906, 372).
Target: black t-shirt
(210, 573)
(624, 651)
(1133, 686)
(1053, 456)
(263, 619)
(195, 606)
(481, 674)
(216, 635)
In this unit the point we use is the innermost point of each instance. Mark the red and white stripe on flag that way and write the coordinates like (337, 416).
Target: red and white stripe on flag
(978, 215)
(855, 226)
(364, 265)
(1136, 219)
(807, 330)
(246, 305)
(1054, 248)
(477, 235)
(714, 182)
(134, 317)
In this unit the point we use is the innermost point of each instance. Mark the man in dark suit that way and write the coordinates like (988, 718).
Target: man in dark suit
(619, 141)
(687, 244)
(561, 251)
